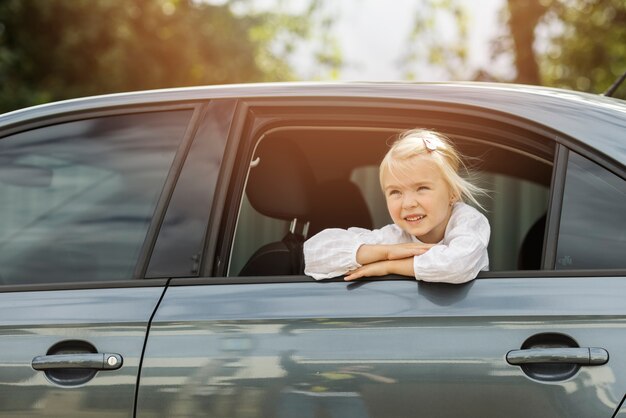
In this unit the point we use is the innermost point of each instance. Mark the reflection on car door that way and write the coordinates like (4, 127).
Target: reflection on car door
(71, 326)
(387, 349)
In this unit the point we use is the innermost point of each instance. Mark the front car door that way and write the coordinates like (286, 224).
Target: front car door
(521, 340)
(78, 197)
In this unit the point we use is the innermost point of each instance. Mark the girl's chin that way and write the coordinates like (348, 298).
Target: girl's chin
(424, 235)
(418, 231)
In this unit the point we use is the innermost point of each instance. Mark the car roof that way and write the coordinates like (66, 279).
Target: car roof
(594, 121)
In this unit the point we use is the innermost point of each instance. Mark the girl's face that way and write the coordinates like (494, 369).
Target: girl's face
(419, 203)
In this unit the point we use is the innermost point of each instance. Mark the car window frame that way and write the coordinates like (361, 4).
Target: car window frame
(54, 118)
(250, 122)
(206, 119)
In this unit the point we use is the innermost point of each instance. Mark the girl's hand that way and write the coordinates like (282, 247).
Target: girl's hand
(400, 251)
(379, 268)
(382, 268)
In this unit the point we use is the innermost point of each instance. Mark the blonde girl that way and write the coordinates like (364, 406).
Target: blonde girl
(435, 235)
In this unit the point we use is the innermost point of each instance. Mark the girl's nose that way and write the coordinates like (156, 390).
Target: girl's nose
(409, 201)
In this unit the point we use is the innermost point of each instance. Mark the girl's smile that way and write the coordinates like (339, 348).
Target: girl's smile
(414, 218)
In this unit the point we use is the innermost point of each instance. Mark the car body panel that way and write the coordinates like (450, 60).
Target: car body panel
(382, 348)
(622, 411)
(112, 320)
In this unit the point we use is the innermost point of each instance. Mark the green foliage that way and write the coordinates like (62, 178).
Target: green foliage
(587, 49)
(577, 44)
(57, 49)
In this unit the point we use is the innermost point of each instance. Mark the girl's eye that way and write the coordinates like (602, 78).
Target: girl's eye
(394, 193)
(419, 189)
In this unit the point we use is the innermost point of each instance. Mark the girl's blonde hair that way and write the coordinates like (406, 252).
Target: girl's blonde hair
(399, 161)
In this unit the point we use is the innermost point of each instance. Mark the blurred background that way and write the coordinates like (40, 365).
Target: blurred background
(58, 49)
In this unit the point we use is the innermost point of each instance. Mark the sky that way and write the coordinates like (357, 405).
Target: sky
(374, 34)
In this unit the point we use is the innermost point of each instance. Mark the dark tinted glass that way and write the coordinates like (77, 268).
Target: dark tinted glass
(593, 220)
(178, 249)
(78, 197)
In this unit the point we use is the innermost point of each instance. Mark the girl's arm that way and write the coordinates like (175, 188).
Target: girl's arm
(367, 254)
(334, 252)
(403, 267)
(464, 255)
(458, 260)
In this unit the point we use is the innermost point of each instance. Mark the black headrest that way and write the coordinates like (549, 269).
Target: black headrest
(339, 203)
(280, 185)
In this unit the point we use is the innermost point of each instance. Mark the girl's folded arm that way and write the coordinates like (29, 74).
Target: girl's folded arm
(459, 260)
(333, 252)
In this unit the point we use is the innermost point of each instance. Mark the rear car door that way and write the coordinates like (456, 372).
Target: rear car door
(523, 340)
(79, 197)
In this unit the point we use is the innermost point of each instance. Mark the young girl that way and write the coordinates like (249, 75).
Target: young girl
(435, 236)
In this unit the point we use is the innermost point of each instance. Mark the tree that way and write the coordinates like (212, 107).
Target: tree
(57, 49)
(582, 42)
(575, 44)
(586, 49)
(523, 19)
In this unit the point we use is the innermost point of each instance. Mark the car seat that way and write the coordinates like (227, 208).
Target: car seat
(339, 203)
(280, 186)
(532, 247)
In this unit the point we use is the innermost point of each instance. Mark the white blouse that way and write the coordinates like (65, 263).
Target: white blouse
(456, 259)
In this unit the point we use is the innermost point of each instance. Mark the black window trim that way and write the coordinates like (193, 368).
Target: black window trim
(483, 275)
(553, 219)
(86, 285)
(212, 261)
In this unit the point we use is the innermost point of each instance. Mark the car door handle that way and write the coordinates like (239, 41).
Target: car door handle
(584, 356)
(94, 361)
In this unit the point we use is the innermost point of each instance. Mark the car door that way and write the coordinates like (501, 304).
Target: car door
(78, 197)
(514, 342)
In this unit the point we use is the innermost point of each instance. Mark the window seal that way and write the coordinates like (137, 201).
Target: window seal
(212, 260)
(483, 275)
(555, 205)
(110, 284)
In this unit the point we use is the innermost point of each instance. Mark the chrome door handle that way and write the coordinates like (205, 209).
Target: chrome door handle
(584, 356)
(94, 361)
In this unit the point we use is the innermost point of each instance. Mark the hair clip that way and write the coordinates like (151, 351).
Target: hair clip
(429, 144)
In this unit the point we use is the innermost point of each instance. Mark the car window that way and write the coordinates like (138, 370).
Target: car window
(591, 233)
(345, 191)
(78, 197)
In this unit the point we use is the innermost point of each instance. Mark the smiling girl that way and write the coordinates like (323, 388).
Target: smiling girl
(435, 236)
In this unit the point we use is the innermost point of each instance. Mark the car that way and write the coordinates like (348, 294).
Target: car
(151, 256)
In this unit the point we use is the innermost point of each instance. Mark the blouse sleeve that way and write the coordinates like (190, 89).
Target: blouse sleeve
(462, 255)
(332, 252)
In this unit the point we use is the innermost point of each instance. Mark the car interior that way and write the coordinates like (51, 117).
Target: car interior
(304, 178)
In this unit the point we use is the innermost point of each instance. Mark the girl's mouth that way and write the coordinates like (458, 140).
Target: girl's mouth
(414, 218)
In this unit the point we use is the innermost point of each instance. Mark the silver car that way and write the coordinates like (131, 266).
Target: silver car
(151, 256)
